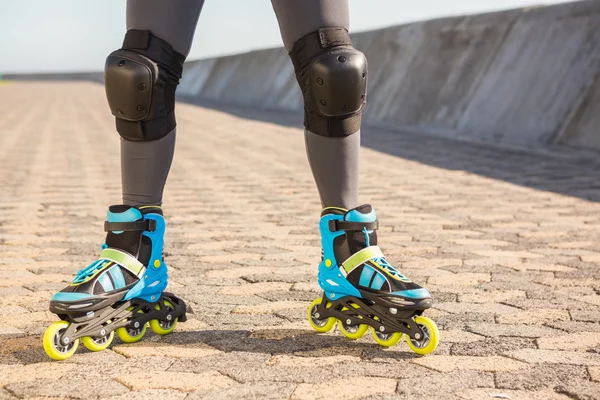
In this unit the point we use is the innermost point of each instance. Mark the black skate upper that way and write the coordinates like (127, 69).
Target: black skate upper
(358, 253)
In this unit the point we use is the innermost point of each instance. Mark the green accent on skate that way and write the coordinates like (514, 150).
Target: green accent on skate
(122, 258)
(361, 257)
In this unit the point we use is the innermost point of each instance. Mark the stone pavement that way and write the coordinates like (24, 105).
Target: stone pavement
(508, 242)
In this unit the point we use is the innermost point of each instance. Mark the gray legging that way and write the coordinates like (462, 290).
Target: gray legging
(334, 161)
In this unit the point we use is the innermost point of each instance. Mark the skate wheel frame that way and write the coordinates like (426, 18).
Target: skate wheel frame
(319, 325)
(53, 347)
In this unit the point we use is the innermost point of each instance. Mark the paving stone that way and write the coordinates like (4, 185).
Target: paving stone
(165, 351)
(151, 394)
(262, 390)
(466, 279)
(493, 296)
(539, 376)
(537, 267)
(443, 385)
(483, 308)
(477, 394)
(184, 381)
(268, 308)
(581, 389)
(492, 346)
(255, 288)
(572, 341)
(534, 317)
(483, 364)
(340, 388)
(594, 373)
(22, 373)
(555, 357)
(71, 388)
(575, 326)
(460, 336)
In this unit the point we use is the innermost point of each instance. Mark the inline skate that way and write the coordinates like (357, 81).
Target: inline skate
(362, 290)
(122, 291)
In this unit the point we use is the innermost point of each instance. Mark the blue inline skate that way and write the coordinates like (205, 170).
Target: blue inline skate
(362, 290)
(121, 292)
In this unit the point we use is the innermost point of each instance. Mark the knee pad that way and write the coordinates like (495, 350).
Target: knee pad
(140, 81)
(332, 75)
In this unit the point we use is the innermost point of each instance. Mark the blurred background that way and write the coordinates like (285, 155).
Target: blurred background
(43, 36)
(508, 72)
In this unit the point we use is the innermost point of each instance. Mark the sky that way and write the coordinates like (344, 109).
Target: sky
(77, 35)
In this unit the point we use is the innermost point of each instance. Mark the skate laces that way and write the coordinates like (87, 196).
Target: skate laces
(89, 271)
(382, 262)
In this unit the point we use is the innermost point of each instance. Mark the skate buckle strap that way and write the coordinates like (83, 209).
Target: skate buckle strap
(145, 225)
(335, 225)
(361, 257)
(123, 259)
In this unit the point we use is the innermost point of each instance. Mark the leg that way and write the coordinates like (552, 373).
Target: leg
(361, 289)
(123, 290)
(145, 164)
(334, 160)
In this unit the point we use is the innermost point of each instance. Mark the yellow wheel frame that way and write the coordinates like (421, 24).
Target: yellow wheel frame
(91, 344)
(327, 326)
(391, 341)
(434, 337)
(155, 324)
(123, 332)
(49, 340)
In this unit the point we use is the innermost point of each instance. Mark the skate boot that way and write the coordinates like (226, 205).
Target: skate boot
(122, 291)
(362, 290)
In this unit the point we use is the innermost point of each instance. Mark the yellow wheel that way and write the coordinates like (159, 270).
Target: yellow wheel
(386, 339)
(319, 324)
(430, 342)
(98, 343)
(52, 344)
(132, 334)
(353, 332)
(163, 327)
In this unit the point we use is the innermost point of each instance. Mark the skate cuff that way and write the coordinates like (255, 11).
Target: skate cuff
(145, 225)
(335, 225)
(361, 257)
(123, 259)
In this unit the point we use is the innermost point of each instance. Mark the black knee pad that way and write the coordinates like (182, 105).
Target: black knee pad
(332, 75)
(140, 81)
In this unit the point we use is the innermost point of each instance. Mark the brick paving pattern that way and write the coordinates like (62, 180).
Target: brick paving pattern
(507, 241)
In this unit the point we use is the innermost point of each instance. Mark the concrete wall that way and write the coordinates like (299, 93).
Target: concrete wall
(522, 77)
(525, 77)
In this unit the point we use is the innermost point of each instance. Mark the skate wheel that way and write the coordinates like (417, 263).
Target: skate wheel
(53, 347)
(386, 339)
(163, 327)
(131, 335)
(353, 332)
(321, 325)
(432, 337)
(98, 343)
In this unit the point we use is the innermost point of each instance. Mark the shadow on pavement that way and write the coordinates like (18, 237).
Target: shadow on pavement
(560, 170)
(29, 350)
